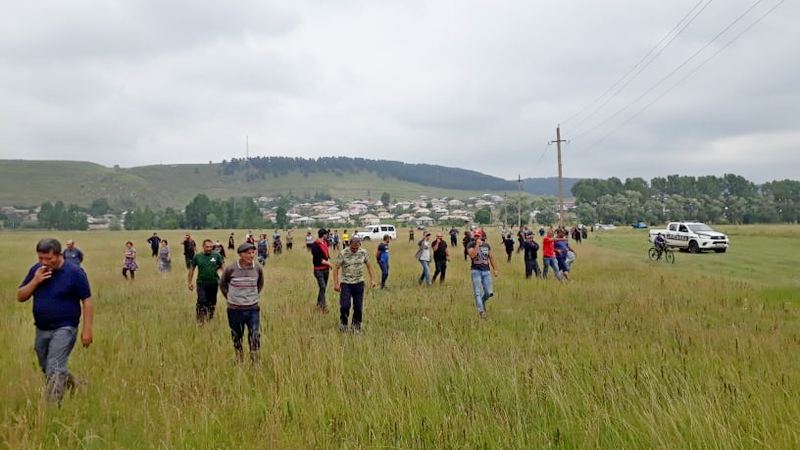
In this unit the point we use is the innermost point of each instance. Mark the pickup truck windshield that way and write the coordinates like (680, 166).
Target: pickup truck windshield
(698, 227)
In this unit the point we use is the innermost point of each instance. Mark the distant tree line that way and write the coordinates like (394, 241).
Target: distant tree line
(425, 174)
(726, 199)
(61, 217)
(200, 213)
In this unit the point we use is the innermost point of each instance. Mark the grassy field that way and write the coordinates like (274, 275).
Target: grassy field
(34, 182)
(631, 354)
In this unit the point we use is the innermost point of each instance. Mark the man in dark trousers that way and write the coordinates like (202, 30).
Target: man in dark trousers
(241, 285)
(154, 242)
(350, 262)
(440, 257)
(508, 243)
(531, 249)
(320, 256)
(61, 295)
(189, 247)
(208, 264)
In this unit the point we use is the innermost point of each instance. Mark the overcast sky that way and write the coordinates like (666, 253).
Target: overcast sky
(472, 84)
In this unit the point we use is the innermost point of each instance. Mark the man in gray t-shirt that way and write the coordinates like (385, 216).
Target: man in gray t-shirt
(241, 284)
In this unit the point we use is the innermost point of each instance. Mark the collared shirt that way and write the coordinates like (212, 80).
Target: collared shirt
(57, 300)
(352, 265)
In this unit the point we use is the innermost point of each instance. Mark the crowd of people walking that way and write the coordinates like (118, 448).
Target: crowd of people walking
(59, 275)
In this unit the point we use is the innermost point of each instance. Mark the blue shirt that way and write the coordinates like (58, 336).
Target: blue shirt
(57, 300)
(383, 253)
(562, 247)
(74, 255)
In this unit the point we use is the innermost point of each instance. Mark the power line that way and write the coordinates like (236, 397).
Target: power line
(680, 81)
(639, 63)
(672, 72)
(539, 160)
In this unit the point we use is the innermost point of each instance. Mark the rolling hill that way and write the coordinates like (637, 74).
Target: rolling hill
(28, 183)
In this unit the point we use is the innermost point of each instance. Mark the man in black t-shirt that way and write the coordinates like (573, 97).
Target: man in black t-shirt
(154, 242)
(531, 248)
(440, 257)
(189, 248)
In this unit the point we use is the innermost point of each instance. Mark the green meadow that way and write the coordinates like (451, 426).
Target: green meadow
(630, 354)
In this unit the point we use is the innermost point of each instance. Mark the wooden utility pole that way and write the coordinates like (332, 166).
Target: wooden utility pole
(519, 202)
(247, 146)
(558, 142)
(505, 209)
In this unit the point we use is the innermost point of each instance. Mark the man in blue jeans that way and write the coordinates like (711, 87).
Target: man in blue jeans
(482, 261)
(241, 284)
(382, 256)
(61, 294)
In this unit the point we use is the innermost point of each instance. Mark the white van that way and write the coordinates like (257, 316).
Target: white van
(377, 232)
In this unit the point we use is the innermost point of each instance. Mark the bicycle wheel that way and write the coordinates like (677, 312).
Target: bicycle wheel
(670, 257)
(652, 254)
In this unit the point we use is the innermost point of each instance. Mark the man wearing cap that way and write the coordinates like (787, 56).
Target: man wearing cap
(73, 254)
(351, 262)
(241, 284)
(320, 256)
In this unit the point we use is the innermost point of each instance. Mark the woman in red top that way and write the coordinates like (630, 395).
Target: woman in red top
(549, 255)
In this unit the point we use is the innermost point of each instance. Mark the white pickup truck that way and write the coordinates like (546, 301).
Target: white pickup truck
(692, 236)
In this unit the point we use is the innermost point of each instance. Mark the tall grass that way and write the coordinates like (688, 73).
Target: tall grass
(629, 355)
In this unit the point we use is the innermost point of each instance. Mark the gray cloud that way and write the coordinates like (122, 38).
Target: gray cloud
(479, 85)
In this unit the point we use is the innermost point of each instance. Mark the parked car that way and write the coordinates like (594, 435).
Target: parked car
(639, 225)
(376, 232)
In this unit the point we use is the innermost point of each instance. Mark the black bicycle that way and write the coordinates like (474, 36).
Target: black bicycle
(656, 254)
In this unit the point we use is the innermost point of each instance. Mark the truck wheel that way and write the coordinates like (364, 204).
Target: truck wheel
(720, 250)
(693, 247)
(365, 238)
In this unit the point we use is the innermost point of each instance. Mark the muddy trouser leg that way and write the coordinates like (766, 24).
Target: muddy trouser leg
(254, 333)
(344, 303)
(357, 291)
(211, 298)
(53, 348)
(236, 321)
(206, 301)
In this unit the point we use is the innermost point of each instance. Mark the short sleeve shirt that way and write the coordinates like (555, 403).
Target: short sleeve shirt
(207, 265)
(481, 259)
(352, 265)
(57, 300)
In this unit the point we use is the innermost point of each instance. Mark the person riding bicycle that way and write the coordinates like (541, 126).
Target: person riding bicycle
(660, 243)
